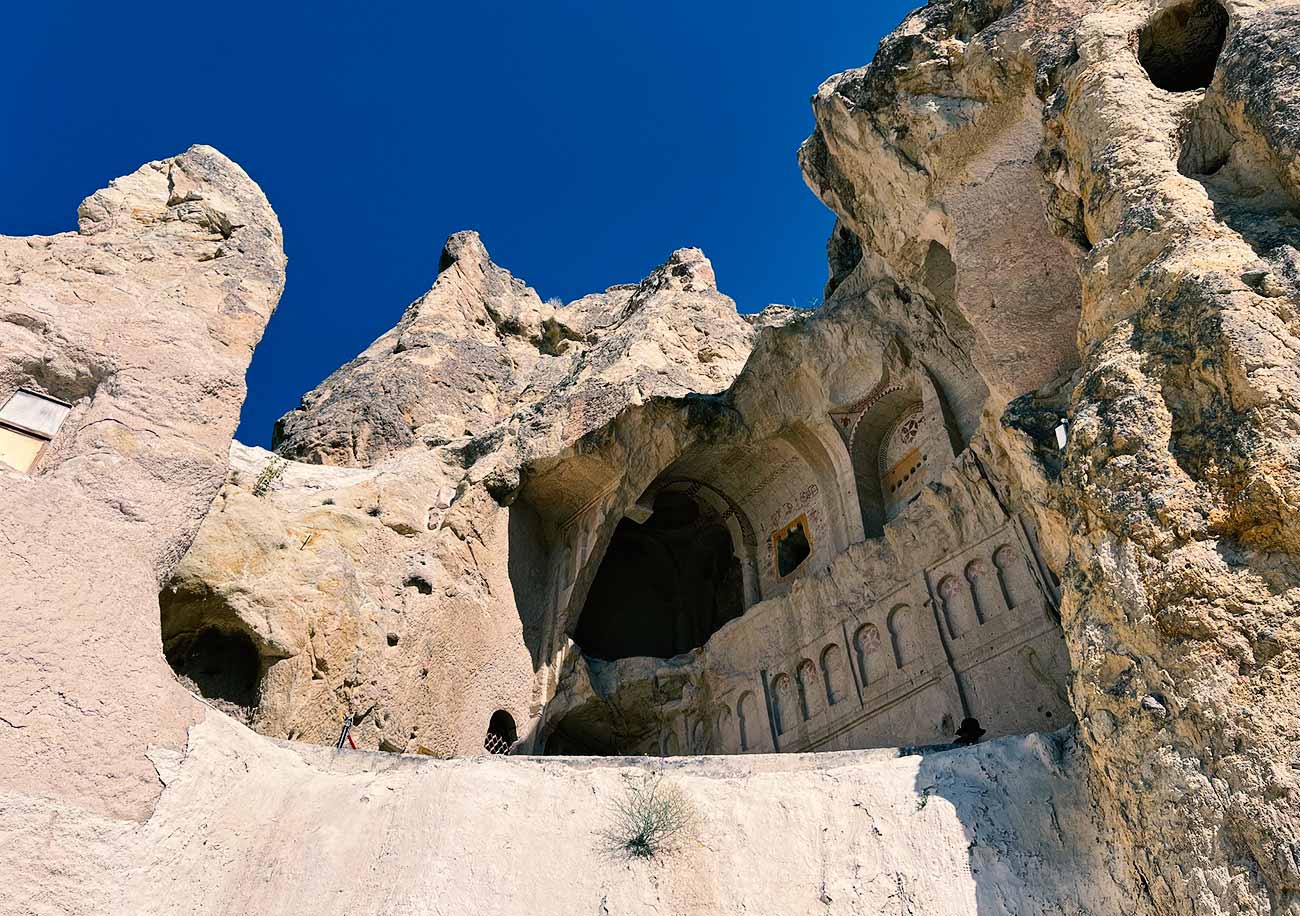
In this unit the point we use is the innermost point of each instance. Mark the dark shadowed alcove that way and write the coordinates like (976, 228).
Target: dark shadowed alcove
(221, 665)
(211, 650)
(664, 586)
(1180, 46)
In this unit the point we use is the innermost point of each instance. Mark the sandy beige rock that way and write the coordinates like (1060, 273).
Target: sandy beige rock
(404, 594)
(144, 320)
(641, 524)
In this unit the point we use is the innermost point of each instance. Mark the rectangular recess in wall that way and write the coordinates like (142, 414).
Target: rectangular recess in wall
(28, 420)
(18, 449)
(791, 545)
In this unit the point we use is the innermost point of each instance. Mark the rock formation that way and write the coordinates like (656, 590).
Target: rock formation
(1159, 139)
(143, 321)
(1030, 469)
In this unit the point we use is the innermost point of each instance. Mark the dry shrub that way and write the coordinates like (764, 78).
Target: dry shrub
(650, 819)
(270, 476)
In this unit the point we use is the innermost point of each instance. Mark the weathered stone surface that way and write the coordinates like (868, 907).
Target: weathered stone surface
(1052, 211)
(1181, 477)
(929, 159)
(144, 320)
(404, 593)
(1005, 826)
(480, 346)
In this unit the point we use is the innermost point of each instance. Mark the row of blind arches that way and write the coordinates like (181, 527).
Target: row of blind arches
(814, 687)
(817, 686)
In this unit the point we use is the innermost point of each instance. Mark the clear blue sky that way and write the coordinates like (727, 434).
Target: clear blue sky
(584, 140)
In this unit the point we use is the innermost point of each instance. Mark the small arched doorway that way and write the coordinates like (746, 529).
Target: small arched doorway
(501, 734)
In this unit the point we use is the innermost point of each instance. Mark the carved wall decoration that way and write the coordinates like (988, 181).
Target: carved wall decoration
(808, 683)
(903, 457)
(747, 720)
(986, 590)
(901, 636)
(846, 421)
(724, 726)
(785, 702)
(692, 489)
(1005, 665)
(1018, 586)
(834, 677)
(958, 606)
(896, 444)
(670, 745)
(866, 646)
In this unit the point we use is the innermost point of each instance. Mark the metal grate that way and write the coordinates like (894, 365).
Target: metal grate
(496, 744)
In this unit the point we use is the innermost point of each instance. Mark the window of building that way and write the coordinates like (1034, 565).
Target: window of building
(28, 421)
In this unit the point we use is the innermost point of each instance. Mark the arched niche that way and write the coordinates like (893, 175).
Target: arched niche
(818, 445)
(666, 582)
(903, 440)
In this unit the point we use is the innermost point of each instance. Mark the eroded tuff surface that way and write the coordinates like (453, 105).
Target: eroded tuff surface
(1001, 828)
(1181, 479)
(1173, 526)
(291, 829)
(1042, 224)
(1046, 210)
(144, 319)
(403, 592)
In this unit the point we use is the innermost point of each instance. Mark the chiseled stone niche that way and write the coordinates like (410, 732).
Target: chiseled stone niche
(892, 639)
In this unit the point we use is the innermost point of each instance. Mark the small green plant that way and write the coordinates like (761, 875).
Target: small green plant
(273, 471)
(649, 819)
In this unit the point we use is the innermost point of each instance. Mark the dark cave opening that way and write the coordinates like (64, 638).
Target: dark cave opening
(501, 734)
(664, 586)
(219, 664)
(1179, 47)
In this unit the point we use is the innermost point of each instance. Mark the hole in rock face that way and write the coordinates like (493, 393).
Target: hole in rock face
(218, 664)
(419, 583)
(792, 547)
(501, 734)
(664, 586)
(1180, 46)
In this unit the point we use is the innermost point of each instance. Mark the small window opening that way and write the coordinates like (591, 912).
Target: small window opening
(501, 735)
(28, 421)
(1180, 46)
(792, 545)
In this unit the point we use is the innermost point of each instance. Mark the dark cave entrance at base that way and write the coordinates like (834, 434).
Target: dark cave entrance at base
(220, 665)
(211, 651)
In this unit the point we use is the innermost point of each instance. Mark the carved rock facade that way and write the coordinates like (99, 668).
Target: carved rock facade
(1033, 464)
